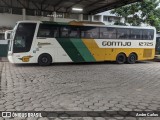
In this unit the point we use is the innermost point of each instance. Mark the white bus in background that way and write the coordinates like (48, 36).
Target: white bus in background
(51, 42)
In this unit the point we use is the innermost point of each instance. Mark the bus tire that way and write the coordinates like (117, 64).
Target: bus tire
(132, 58)
(44, 59)
(121, 58)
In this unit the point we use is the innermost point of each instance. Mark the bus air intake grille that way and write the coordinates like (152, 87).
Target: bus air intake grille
(147, 53)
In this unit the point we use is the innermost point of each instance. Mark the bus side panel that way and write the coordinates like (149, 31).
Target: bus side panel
(70, 49)
(52, 47)
(83, 50)
(96, 52)
(142, 53)
(109, 54)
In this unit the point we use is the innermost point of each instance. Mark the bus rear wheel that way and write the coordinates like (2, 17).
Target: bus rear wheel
(121, 58)
(44, 60)
(132, 58)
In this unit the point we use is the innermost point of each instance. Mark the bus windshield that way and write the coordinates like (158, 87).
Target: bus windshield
(24, 37)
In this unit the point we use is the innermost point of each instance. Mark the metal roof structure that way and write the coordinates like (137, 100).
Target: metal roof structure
(89, 6)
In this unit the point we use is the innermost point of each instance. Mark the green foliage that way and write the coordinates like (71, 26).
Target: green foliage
(141, 12)
(119, 23)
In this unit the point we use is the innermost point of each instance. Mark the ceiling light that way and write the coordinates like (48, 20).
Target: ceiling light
(77, 9)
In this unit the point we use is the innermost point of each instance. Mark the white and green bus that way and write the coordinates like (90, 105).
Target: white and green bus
(50, 42)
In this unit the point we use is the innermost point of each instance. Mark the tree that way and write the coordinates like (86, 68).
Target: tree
(146, 12)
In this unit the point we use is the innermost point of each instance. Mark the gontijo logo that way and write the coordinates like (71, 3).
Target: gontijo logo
(115, 43)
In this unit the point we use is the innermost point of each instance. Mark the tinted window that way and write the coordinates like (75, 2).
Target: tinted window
(48, 30)
(1, 36)
(158, 45)
(24, 37)
(109, 33)
(123, 33)
(72, 32)
(90, 32)
(65, 32)
(148, 34)
(136, 34)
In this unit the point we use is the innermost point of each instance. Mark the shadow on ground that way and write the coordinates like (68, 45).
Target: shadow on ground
(81, 63)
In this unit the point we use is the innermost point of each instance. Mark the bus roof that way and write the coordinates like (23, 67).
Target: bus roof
(87, 24)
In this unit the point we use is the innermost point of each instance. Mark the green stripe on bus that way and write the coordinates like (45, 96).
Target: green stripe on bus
(83, 50)
(70, 49)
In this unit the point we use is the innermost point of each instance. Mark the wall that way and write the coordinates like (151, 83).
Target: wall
(10, 20)
(109, 15)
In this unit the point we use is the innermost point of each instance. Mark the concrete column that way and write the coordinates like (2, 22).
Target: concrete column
(24, 13)
(11, 10)
(91, 18)
(62, 15)
(101, 18)
(42, 13)
(80, 17)
(54, 16)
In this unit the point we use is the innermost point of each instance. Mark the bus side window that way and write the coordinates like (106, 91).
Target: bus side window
(65, 32)
(43, 31)
(108, 33)
(54, 32)
(47, 30)
(148, 34)
(95, 32)
(123, 33)
(136, 34)
(90, 32)
(103, 33)
(85, 34)
(74, 32)
(88, 35)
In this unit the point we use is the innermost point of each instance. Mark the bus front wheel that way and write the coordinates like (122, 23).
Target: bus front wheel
(132, 58)
(44, 59)
(121, 58)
